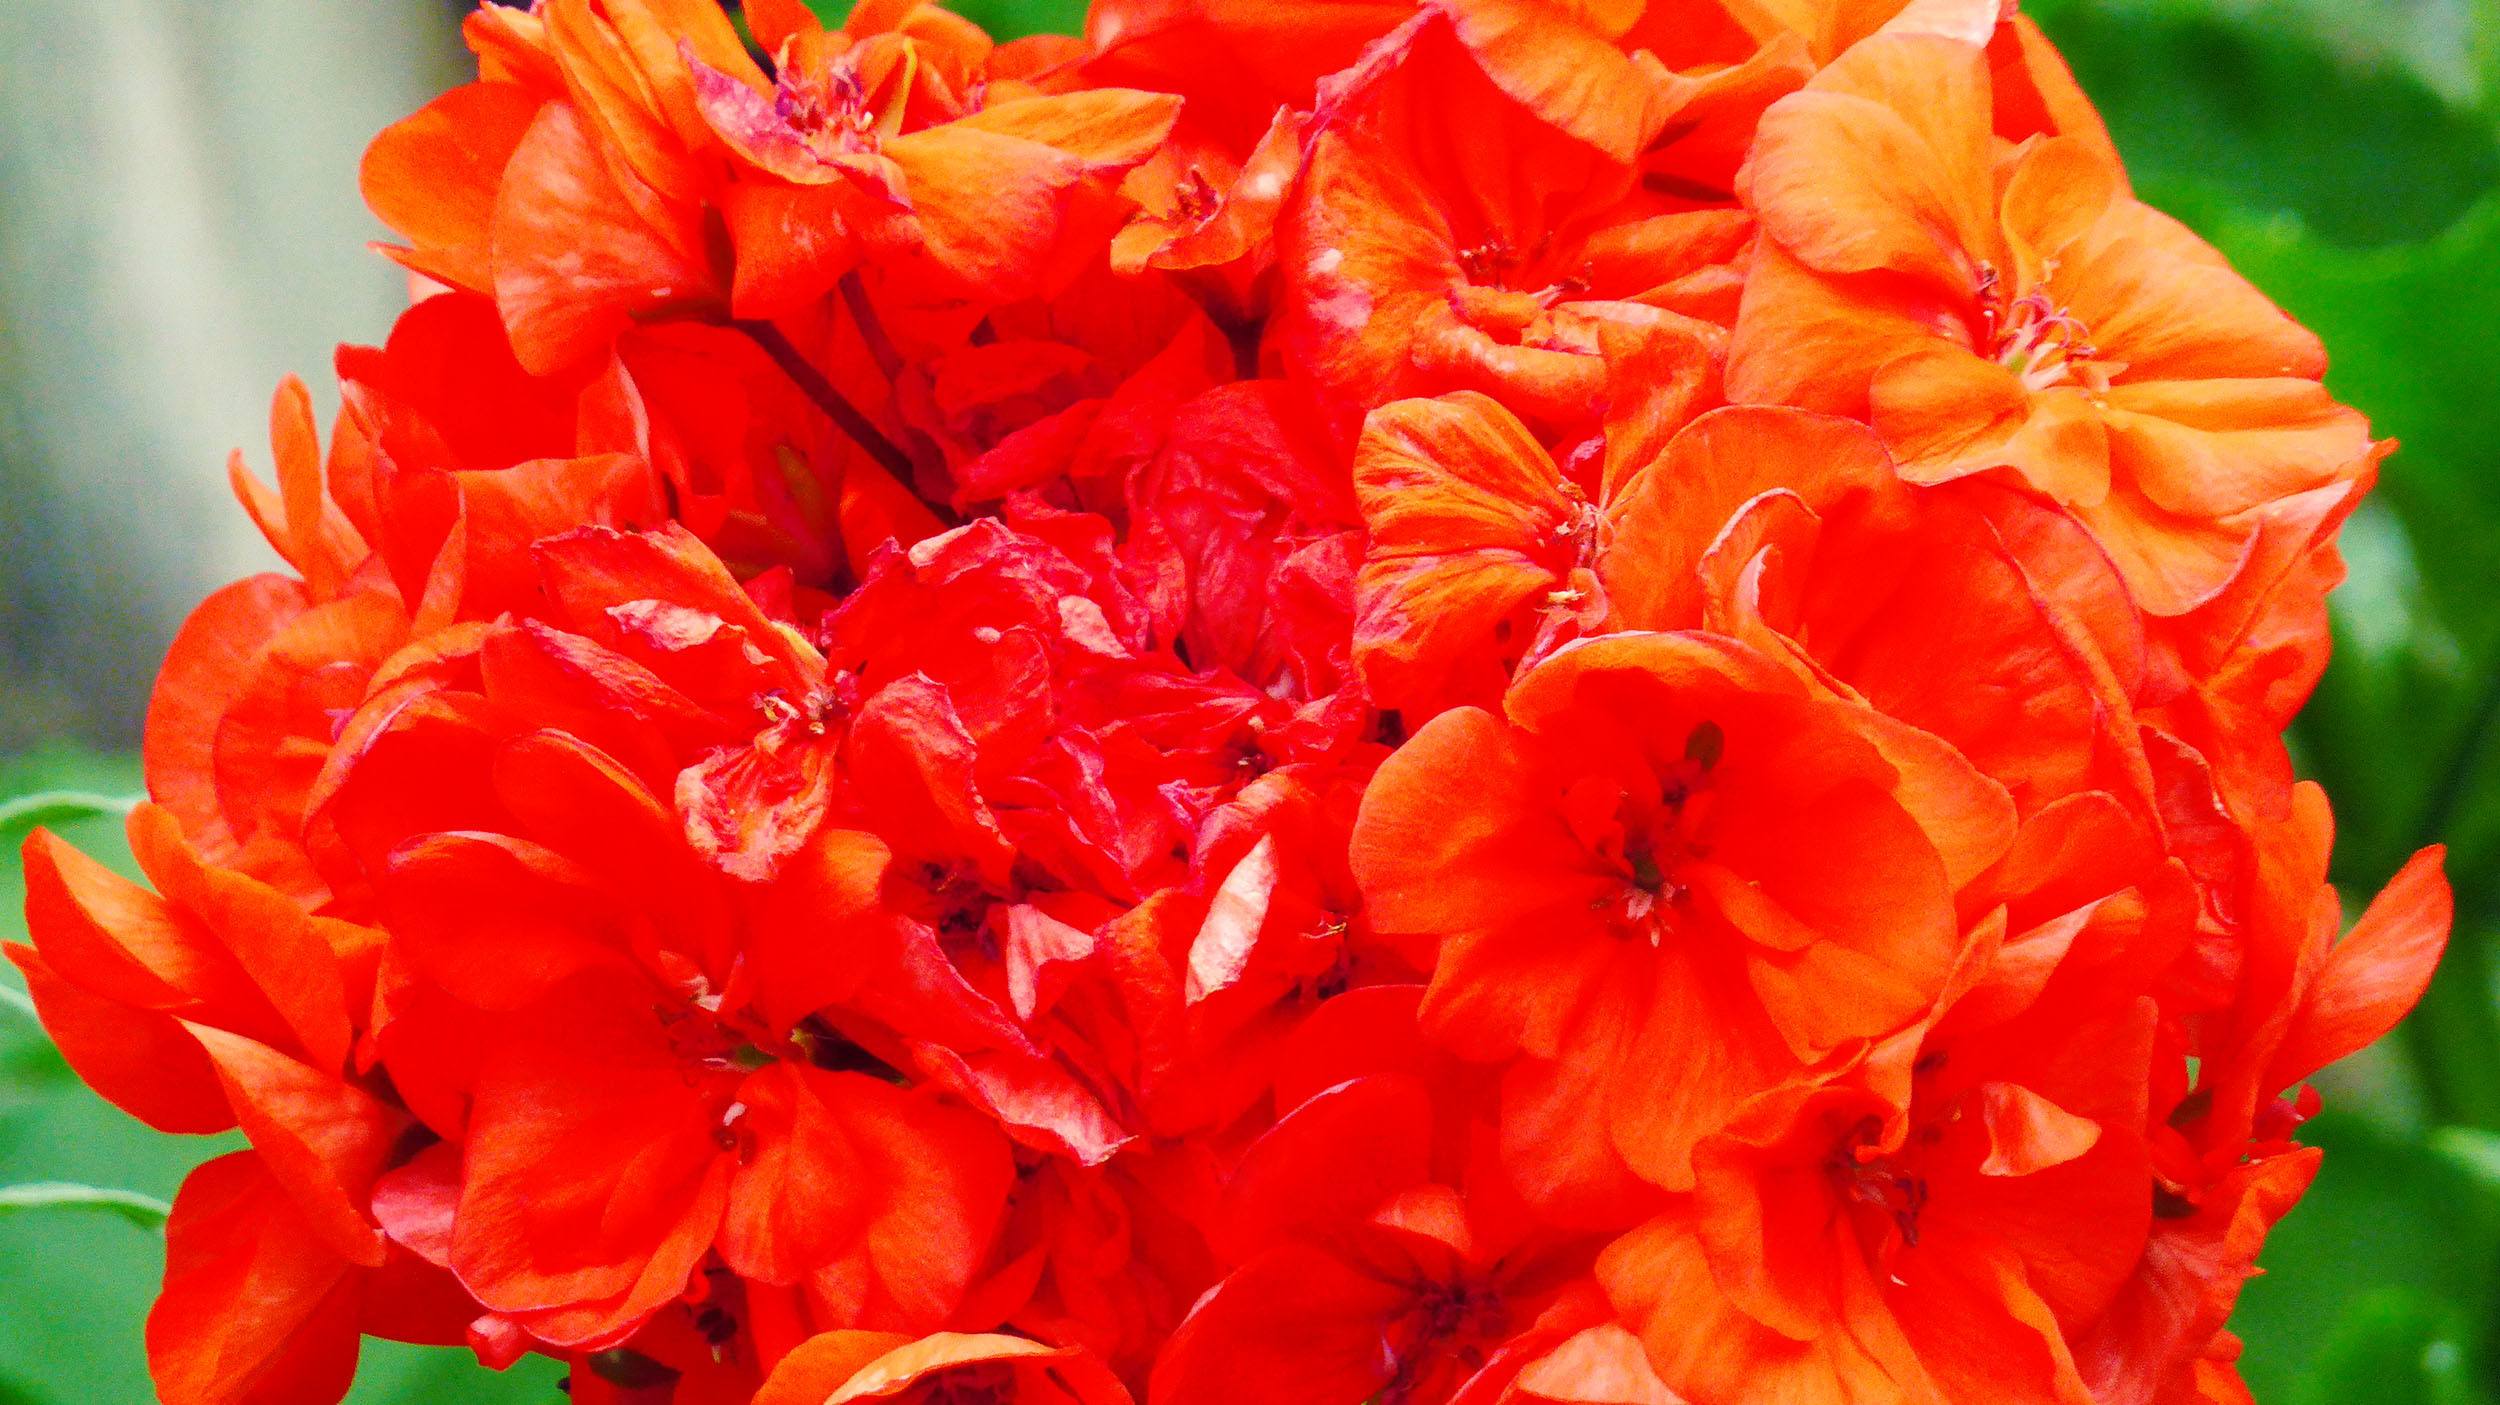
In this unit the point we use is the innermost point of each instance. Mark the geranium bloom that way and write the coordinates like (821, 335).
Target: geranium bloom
(1990, 308)
(1372, 1254)
(1413, 265)
(1299, 704)
(1788, 530)
(1838, 1251)
(1671, 856)
(841, 1367)
(214, 1003)
(914, 141)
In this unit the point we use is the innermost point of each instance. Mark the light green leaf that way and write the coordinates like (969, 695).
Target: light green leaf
(145, 1211)
(2473, 1149)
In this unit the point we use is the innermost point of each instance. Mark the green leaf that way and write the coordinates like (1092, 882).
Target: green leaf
(2228, 105)
(1004, 19)
(2482, 50)
(2397, 1346)
(145, 1211)
(2369, 1228)
(29, 1071)
(393, 1373)
(52, 807)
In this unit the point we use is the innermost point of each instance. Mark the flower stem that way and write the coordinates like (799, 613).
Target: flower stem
(845, 415)
(871, 326)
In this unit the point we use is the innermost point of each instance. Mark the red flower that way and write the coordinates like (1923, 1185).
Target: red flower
(1124, 718)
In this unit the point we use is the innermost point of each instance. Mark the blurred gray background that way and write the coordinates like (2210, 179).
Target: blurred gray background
(179, 227)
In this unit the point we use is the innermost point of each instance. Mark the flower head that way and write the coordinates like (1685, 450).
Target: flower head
(1320, 703)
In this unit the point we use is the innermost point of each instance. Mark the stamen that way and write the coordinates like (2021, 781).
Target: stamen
(833, 116)
(2036, 338)
(732, 1136)
(1874, 1182)
(1488, 261)
(1195, 195)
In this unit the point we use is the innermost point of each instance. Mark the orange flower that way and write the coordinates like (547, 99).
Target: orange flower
(1836, 1249)
(1787, 530)
(972, 189)
(1234, 63)
(1917, 602)
(2297, 1000)
(219, 1001)
(1482, 553)
(839, 1368)
(1992, 307)
(507, 186)
(256, 1305)
(1602, 1364)
(596, 1176)
(1670, 855)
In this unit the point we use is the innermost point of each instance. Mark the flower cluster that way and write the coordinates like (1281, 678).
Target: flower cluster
(1308, 702)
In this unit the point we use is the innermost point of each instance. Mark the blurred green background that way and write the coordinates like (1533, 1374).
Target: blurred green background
(179, 226)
